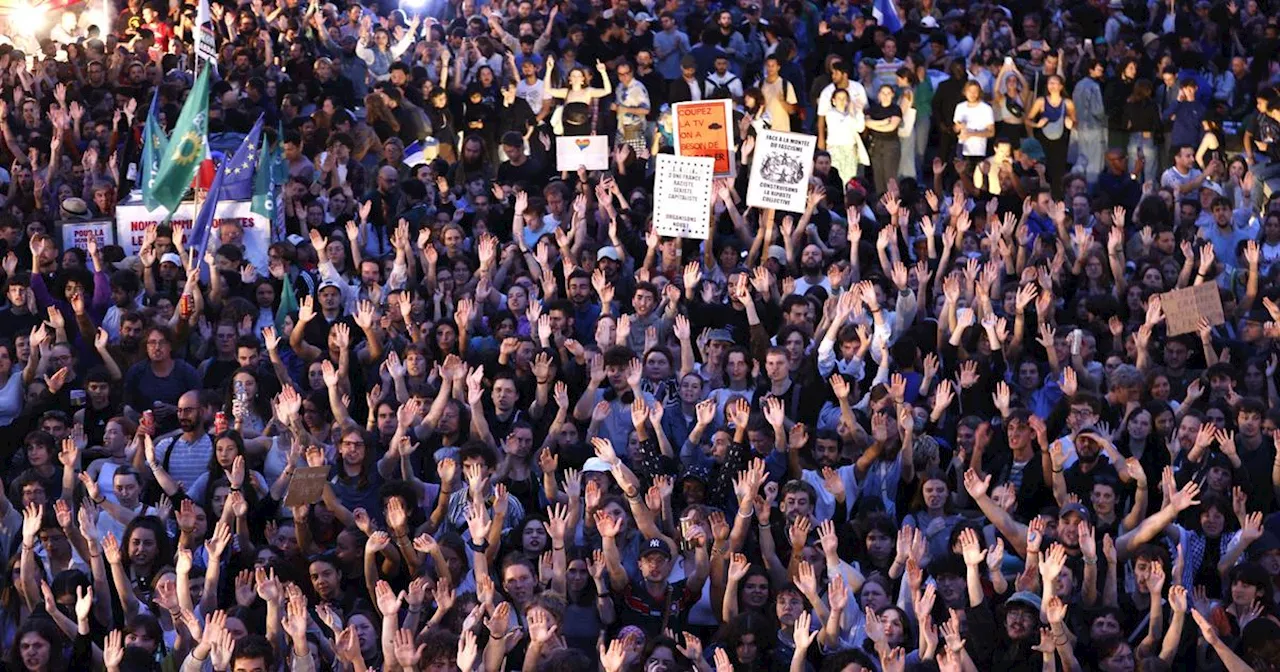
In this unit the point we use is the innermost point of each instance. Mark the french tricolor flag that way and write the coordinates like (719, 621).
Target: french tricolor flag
(886, 14)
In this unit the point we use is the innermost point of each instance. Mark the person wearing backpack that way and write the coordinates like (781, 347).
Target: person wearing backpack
(780, 100)
(721, 82)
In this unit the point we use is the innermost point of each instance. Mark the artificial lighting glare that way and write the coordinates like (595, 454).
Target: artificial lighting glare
(27, 18)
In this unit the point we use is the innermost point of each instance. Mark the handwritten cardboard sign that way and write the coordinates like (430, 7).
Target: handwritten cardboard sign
(1183, 308)
(705, 128)
(780, 170)
(589, 151)
(682, 196)
(307, 486)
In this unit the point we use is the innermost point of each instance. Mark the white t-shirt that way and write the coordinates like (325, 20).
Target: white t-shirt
(975, 118)
(531, 93)
(857, 98)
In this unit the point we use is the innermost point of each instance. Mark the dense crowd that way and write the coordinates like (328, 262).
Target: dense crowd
(470, 410)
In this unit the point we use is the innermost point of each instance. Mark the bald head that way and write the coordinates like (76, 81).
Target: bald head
(190, 414)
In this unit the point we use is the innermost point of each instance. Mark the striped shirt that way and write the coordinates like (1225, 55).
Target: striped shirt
(184, 461)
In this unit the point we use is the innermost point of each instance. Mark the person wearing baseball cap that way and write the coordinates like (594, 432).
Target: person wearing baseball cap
(653, 603)
(649, 599)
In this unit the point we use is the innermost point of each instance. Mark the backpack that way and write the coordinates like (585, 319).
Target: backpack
(719, 91)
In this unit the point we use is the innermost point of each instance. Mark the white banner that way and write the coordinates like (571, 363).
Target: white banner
(682, 196)
(206, 45)
(589, 151)
(78, 234)
(781, 166)
(132, 222)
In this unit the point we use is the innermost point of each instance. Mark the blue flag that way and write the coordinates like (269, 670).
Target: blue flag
(233, 180)
(202, 227)
(154, 142)
(886, 14)
(237, 184)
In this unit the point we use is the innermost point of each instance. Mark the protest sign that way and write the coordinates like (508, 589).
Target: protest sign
(589, 151)
(132, 220)
(682, 196)
(705, 128)
(780, 171)
(307, 486)
(1183, 308)
(78, 234)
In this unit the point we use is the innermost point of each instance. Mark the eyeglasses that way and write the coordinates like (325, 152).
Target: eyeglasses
(351, 444)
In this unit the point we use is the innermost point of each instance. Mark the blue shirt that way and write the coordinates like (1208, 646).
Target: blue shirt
(1187, 116)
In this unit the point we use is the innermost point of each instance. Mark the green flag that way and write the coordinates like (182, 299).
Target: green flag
(288, 304)
(264, 202)
(186, 148)
(154, 142)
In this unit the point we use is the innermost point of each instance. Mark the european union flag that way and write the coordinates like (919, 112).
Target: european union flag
(237, 184)
(233, 178)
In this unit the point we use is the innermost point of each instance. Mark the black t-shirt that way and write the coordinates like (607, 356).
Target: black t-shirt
(1080, 483)
(529, 172)
(880, 112)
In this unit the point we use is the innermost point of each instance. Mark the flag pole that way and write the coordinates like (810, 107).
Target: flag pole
(195, 72)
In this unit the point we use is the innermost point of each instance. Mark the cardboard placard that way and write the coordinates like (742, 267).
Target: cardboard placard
(780, 170)
(705, 128)
(307, 486)
(133, 218)
(589, 151)
(682, 196)
(78, 234)
(1183, 308)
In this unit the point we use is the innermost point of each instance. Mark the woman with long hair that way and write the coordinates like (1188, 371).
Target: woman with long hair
(379, 116)
(932, 512)
(749, 638)
(40, 647)
(249, 409)
(1141, 120)
(1211, 141)
(578, 94)
(588, 609)
(1051, 119)
(228, 461)
(842, 135)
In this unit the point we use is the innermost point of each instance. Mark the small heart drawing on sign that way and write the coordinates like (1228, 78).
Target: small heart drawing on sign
(583, 144)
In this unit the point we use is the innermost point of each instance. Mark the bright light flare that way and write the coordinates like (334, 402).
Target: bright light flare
(28, 19)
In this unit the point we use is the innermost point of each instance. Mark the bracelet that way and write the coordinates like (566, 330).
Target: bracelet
(415, 611)
(478, 548)
(602, 596)
(100, 500)
(492, 636)
(235, 489)
(557, 548)
(764, 526)
(1057, 471)
(753, 512)
(1087, 561)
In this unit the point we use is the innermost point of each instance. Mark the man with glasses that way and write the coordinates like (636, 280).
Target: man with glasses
(185, 456)
(157, 382)
(632, 107)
